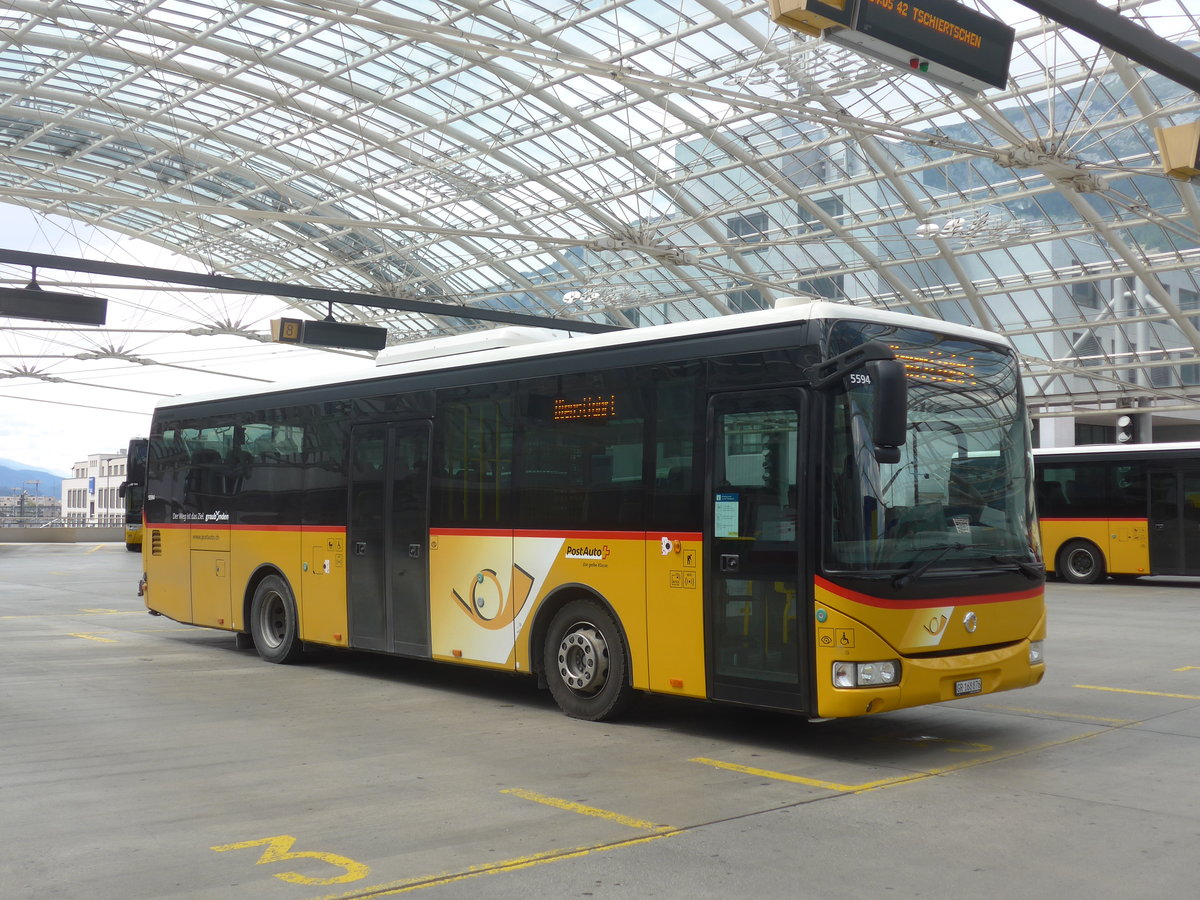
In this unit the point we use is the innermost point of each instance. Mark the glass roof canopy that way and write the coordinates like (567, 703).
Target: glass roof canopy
(631, 162)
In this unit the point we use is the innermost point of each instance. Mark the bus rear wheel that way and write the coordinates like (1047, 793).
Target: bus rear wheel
(274, 623)
(585, 663)
(1081, 562)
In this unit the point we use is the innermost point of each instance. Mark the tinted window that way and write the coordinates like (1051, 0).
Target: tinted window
(677, 438)
(472, 457)
(582, 439)
(1091, 490)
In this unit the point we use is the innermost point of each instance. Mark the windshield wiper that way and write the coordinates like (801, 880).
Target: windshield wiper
(1028, 569)
(910, 574)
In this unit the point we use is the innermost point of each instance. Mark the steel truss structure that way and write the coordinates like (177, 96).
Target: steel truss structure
(624, 163)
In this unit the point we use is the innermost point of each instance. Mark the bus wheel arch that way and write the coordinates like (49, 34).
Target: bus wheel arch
(272, 617)
(1081, 562)
(583, 655)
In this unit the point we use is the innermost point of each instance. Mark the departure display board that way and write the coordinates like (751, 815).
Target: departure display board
(941, 32)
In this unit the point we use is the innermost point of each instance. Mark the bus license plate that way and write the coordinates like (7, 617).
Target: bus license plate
(968, 686)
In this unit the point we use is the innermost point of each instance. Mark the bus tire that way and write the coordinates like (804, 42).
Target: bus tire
(133, 548)
(585, 662)
(1081, 562)
(274, 623)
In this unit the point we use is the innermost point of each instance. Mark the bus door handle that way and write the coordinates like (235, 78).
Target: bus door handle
(731, 562)
(414, 551)
(360, 548)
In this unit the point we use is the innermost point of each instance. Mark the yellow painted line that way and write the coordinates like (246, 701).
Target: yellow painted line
(890, 782)
(570, 806)
(783, 776)
(408, 885)
(1113, 690)
(94, 549)
(1185, 668)
(92, 637)
(1060, 715)
(509, 865)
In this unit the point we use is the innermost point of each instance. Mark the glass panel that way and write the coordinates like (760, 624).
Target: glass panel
(754, 544)
(582, 461)
(963, 485)
(472, 471)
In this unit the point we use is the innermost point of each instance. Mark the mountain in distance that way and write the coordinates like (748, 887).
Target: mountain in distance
(14, 475)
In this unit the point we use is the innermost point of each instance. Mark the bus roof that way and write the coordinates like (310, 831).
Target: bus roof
(474, 348)
(1117, 449)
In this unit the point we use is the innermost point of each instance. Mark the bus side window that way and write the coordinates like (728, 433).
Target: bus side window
(677, 424)
(471, 465)
(1051, 499)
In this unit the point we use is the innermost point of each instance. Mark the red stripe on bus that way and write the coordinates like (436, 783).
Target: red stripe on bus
(1089, 519)
(882, 603)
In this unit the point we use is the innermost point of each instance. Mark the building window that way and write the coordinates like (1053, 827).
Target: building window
(1085, 293)
(750, 228)
(1160, 376)
(1089, 350)
(830, 287)
(745, 301)
(831, 206)
(1189, 301)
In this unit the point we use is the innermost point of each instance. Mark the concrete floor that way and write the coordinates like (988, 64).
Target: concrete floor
(144, 759)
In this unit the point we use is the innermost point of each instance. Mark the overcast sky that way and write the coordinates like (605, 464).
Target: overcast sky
(99, 404)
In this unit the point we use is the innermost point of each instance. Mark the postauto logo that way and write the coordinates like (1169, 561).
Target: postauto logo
(582, 551)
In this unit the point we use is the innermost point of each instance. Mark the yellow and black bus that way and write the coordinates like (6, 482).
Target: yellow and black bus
(132, 492)
(819, 508)
(1121, 510)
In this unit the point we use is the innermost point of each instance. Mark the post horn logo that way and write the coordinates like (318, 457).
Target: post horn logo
(488, 604)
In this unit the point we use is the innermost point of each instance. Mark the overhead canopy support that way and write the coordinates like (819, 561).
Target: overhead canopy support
(296, 291)
(1110, 29)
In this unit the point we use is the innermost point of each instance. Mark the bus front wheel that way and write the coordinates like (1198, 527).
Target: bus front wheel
(1081, 562)
(273, 621)
(585, 662)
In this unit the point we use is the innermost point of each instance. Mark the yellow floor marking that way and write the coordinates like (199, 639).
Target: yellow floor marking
(570, 806)
(1185, 668)
(509, 865)
(783, 776)
(92, 637)
(407, 885)
(97, 547)
(1096, 687)
(889, 782)
(1061, 715)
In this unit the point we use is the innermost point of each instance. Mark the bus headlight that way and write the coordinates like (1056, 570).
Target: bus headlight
(1035, 653)
(866, 674)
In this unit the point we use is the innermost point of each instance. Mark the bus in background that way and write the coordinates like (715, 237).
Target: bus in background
(132, 492)
(776, 509)
(1122, 510)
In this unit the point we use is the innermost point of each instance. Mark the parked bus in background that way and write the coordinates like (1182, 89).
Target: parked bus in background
(132, 492)
(819, 508)
(1123, 510)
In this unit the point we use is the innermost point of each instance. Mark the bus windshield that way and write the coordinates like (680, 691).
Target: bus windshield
(961, 493)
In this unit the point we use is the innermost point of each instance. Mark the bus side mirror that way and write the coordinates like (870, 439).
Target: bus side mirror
(890, 426)
(121, 490)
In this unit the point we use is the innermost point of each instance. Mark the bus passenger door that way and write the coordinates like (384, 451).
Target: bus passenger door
(756, 638)
(388, 533)
(1174, 527)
